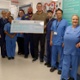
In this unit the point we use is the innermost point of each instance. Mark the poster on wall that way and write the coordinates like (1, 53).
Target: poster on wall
(14, 2)
(52, 6)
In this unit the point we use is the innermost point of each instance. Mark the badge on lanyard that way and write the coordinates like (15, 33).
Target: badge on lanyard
(55, 33)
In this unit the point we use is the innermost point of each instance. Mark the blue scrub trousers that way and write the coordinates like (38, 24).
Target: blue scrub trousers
(10, 47)
(67, 61)
(48, 52)
(55, 50)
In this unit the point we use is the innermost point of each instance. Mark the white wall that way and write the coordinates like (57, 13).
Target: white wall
(34, 2)
(5, 4)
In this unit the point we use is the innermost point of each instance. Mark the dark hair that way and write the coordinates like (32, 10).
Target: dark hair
(59, 10)
(10, 17)
(22, 11)
(50, 11)
(39, 3)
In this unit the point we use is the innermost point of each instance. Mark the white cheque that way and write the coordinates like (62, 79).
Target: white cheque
(27, 26)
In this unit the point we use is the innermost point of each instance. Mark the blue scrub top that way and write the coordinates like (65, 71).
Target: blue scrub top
(58, 28)
(19, 35)
(71, 38)
(7, 28)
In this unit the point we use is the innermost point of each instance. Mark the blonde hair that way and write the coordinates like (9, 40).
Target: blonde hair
(76, 16)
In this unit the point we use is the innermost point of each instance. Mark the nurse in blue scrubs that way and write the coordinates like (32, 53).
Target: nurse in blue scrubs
(10, 40)
(71, 50)
(56, 40)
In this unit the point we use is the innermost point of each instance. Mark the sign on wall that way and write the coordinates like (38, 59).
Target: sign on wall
(71, 7)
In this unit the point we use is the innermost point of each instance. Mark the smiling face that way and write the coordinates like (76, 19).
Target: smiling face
(59, 14)
(49, 15)
(3, 14)
(75, 20)
(10, 19)
(39, 7)
(21, 13)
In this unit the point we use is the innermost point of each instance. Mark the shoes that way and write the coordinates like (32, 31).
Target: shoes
(9, 58)
(59, 72)
(12, 57)
(34, 59)
(25, 56)
(41, 60)
(53, 69)
(3, 56)
(46, 64)
(49, 65)
(71, 78)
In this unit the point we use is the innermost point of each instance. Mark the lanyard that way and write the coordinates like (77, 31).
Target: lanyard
(58, 23)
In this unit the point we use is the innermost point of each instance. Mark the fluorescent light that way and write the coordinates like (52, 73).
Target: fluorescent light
(54, 0)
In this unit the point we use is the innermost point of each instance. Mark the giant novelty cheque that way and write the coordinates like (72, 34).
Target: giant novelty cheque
(32, 26)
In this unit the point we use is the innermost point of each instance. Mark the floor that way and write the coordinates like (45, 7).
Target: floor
(25, 69)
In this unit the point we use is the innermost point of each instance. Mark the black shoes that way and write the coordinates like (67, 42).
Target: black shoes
(25, 56)
(3, 56)
(41, 60)
(9, 58)
(59, 72)
(71, 78)
(34, 59)
(53, 69)
(12, 57)
(47, 64)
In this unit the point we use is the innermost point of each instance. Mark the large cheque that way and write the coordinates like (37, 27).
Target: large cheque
(27, 26)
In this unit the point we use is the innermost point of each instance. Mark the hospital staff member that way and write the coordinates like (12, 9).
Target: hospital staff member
(48, 31)
(3, 21)
(56, 40)
(10, 39)
(20, 36)
(71, 39)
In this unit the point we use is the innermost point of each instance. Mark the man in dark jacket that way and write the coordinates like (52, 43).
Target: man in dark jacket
(3, 21)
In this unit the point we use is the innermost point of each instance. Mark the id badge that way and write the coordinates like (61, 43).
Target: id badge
(55, 33)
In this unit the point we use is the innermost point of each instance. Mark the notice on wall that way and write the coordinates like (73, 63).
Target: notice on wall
(71, 7)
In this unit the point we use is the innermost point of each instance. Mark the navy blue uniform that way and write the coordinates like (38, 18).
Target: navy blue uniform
(49, 24)
(28, 38)
(2, 39)
(20, 41)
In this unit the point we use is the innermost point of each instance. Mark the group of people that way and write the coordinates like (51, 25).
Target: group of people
(61, 39)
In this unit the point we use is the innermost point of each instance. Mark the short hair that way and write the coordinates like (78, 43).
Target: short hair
(50, 11)
(39, 3)
(59, 10)
(3, 11)
(10, 17)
